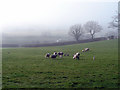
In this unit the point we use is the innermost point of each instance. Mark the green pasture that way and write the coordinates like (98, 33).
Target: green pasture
(28, 68)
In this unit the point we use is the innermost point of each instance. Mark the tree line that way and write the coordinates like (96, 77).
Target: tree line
(91, 27)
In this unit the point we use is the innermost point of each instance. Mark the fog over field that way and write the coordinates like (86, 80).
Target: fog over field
(47, 21)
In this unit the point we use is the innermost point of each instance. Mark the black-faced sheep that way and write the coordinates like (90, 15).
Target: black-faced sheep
(53, 56)
(55, 53)
(60, 54)
(47, 55)
(67, 54)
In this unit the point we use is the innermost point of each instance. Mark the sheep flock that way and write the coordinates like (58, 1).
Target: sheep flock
(61, 54)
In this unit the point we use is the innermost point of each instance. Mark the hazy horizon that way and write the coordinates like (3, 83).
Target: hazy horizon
(53, 17)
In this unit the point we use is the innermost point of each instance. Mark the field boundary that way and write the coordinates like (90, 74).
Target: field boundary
(55, 44)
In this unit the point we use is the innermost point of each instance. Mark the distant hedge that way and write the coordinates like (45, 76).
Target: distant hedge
(55, 44)
(64, 43)
(10, 45)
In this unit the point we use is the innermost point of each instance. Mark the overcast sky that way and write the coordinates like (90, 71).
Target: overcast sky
(40, 15)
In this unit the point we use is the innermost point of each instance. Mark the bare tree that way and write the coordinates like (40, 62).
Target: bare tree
(76, 31)
(92, 28)
(115, 23)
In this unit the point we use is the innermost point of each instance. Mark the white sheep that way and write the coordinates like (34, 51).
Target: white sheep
(82, 50)
(76, 56)
(87, 49)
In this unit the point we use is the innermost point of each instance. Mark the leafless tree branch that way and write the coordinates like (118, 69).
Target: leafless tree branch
(92, 27)
(76, 31)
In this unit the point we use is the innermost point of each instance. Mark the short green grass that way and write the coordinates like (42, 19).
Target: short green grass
(28, 68)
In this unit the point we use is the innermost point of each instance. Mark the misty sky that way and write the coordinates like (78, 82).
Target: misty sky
(37, 15)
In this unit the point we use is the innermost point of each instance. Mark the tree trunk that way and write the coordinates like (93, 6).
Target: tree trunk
(92, 36)
(77, 39)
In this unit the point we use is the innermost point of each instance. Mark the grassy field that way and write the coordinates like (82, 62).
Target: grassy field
(27, 67)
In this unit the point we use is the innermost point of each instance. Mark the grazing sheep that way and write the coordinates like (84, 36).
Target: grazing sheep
(87, 49)
(60, 54)
(67, 54)
(82, 50)
(47, 55)
(55, 53)
(53, 56)
(76, 56)
(78, 53)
